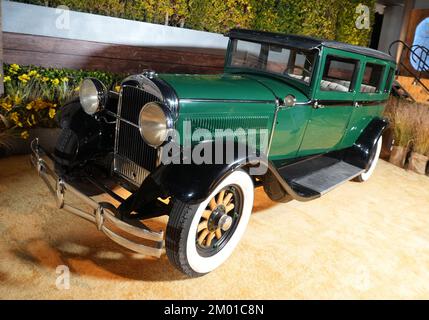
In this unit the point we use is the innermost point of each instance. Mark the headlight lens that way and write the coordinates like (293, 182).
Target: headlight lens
(92, 95)
(155, 124)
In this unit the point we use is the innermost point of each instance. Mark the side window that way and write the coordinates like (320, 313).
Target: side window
(371, 81)
(388, 85)
(339, 74)
(277, 59)
(246, 54)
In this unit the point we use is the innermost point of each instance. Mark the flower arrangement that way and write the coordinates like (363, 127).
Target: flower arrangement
(33, 95)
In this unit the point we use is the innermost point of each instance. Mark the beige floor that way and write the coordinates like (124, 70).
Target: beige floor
(360, 241)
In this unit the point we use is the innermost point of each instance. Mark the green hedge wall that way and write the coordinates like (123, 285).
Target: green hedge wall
(329, 19)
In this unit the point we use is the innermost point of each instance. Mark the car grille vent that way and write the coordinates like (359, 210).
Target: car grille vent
(134, 159)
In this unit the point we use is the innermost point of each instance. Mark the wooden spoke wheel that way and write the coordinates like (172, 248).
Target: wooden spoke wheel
(200, 237)
(219, 220)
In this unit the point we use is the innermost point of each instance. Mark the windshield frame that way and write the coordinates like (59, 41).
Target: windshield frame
(306, 86)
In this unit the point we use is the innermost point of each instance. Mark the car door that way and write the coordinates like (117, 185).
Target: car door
(333, 107)
(371, 93)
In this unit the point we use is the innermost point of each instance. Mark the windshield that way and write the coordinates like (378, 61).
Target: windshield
(292, 62)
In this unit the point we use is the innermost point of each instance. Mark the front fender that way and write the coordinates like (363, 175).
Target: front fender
(190, 183)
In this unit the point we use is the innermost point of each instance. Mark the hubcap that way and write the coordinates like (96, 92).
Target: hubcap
(225, 222)
(218, 221)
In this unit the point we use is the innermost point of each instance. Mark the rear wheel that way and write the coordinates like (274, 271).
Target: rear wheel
(373, 162)
(202, 236)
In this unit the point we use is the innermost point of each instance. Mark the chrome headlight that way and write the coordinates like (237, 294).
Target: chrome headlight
(155, 124)
(92, 95)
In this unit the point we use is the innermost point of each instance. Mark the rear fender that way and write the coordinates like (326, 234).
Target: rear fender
(360, 153)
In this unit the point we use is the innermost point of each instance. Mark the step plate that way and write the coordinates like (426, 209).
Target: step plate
(324, 180)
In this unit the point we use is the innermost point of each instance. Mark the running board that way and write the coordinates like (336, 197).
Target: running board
(319, 175)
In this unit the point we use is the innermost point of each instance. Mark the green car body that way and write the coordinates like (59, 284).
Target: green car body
(313, 107)
(245, 98)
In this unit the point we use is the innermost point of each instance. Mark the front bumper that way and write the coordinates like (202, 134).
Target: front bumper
(100, 212)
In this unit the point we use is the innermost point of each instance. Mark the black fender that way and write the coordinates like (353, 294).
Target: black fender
(193, 183)
(83, 136)
(362, 150)
(190, 183)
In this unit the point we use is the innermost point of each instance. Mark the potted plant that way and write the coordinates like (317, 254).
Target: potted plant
(32, 99)
(418, 158)
(399, 115)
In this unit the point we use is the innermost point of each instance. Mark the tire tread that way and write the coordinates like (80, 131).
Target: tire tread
(178, 225)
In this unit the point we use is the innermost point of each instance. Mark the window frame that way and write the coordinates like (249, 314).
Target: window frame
(389, 80)
(379, 88)
(337, 95)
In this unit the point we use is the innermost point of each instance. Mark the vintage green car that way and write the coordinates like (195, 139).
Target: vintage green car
(295, 115)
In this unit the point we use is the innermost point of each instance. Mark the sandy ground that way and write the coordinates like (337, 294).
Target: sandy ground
(366, 240)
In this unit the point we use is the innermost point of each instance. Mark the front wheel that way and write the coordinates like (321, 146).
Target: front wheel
(364, 176)
(202, 236)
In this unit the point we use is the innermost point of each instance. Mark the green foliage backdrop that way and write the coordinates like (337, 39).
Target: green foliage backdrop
(329, 19)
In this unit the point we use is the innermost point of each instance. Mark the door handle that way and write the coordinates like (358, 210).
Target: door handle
(316, 105)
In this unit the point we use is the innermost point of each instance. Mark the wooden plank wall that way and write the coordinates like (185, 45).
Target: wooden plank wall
(76, 54)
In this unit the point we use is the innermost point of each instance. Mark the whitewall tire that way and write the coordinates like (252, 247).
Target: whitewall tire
(368, 173)
(202, 236)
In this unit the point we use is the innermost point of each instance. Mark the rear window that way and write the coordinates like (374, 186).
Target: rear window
(339, 74)
(372, 78)
(388, 85)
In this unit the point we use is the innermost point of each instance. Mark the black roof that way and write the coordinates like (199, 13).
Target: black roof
(304, 42)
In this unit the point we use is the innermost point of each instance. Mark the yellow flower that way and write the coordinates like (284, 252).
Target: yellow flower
(6, 79)
(14, 117)
(52, 113)
(76, 89)
(32, 73)
(24, 78)
(6, 106)
(14, 67)
(29, 106)
(17, 100)
(55, 82)
(117, 88)
(65, 79)
(25, 134)
(45, 79)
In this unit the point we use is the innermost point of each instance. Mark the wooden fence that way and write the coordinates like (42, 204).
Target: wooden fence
(77, 54)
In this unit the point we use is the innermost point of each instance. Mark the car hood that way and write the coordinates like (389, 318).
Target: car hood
(218, 87)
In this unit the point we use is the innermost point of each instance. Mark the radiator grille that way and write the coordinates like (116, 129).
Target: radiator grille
(133, 99)
(134, 159)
